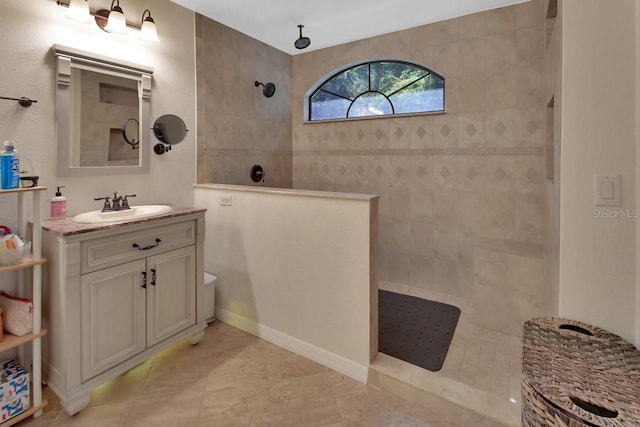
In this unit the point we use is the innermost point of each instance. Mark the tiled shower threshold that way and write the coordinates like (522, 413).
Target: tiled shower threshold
(481, 373)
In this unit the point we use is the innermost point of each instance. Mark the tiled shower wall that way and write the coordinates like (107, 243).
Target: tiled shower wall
(237, 126)
(462, 204)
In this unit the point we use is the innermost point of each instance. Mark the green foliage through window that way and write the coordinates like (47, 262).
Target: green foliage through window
(377, 88)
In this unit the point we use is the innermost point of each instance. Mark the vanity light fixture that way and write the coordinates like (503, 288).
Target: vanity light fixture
(79, 11)
(116, 23)
(112, 20)
(148, 30)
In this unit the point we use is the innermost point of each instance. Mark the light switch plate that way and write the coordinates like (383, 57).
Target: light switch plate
(606, 190)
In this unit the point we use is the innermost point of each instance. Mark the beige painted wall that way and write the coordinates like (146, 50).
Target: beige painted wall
(237, 126)
(28, 29)
(597, 254)
(282, 256)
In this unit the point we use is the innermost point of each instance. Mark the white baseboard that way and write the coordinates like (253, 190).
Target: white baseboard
(331, 360)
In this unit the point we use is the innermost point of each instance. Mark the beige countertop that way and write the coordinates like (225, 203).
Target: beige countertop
(67, 227)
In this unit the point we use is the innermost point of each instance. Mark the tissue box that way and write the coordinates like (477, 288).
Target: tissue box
(13, 408)
(14, 389)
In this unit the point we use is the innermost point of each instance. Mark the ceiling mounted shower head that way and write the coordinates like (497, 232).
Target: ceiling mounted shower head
(268, 89)
(302, 42)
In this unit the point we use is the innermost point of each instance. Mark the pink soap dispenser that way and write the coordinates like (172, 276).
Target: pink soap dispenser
(58, 205)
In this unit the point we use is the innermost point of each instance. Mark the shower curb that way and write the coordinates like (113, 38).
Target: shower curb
(409, 382)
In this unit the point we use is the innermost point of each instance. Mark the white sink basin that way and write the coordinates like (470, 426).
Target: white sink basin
(136, 212)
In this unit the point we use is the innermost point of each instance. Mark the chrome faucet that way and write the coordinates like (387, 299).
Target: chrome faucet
(118, 203)
(115, 202)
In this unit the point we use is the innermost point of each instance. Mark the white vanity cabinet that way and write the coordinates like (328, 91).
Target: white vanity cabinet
(117, 295)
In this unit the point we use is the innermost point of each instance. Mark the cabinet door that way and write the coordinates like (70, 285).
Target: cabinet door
(171, 293)
(113, 316)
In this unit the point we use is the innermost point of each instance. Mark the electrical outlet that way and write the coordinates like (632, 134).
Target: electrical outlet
(225, 200)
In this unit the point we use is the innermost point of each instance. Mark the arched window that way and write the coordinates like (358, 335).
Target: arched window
(376, 88)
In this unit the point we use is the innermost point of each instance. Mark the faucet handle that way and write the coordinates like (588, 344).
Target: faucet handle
(125, 202)
(106, 206)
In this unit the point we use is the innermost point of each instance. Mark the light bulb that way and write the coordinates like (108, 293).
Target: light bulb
(79, 11)
(117, 22)
(148, 30)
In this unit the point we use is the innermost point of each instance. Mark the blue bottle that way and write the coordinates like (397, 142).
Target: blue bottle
(9, 167)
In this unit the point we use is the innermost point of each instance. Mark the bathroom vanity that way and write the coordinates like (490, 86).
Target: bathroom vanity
(116, 294)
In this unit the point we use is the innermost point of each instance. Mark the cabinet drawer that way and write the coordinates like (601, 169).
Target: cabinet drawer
(109, 251)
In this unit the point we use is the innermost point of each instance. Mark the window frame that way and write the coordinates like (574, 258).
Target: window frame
(337, 71)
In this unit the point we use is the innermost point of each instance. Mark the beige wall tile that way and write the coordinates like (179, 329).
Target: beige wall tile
(472, 211)
(445, 31)
(529, 174)
(445, 276)
(445, 241)
(473, 91)
(501, 90)
(445, 207)
(421, 272)
(530, 46)
(422, 131)
(501, 20)
(502, 54)
(422, 241)
(471, 172)
(530, 13)
(446, 58)
(500, 219)
(530, 126)
(491, 269)
(473, 25)
(445, 172)
(400, 174)
(501, 127)
(399, 269)
(473, 52)
(422, 45)
(422, 173)
(529, 218)
(500, 174)
(397, 45)
(471, 129)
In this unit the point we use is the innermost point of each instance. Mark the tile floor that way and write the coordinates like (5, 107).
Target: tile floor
(232, 378)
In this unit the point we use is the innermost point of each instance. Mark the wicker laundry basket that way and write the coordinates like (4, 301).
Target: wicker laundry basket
(576, 374)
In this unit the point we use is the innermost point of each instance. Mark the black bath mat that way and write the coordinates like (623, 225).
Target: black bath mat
(415, 330)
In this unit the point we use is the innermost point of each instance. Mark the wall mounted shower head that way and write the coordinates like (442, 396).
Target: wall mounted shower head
(302, 42)
(268, 89)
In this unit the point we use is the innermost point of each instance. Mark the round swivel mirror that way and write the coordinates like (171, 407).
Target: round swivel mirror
(130, 132)
(169, 129)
